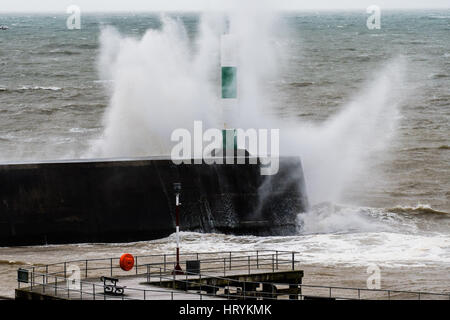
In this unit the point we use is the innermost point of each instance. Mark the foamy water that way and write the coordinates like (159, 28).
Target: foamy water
(348, 239)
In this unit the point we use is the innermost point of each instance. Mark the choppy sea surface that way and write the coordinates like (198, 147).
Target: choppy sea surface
(395, 213)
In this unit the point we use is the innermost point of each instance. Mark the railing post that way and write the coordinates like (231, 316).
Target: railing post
(65, 276)
(111, 266)
(43, 283)
(81, 290)
(200, 279)
(56, 286)
(164, 262)
(273, 266)
(93, 290)
(359, 294)
(277, 259)
(257, 259)
(293, 261)
(174, 273)
(224, 266)
(230, 260)
(32, 278)
(136, 265)
(249, 265)
(86, 271)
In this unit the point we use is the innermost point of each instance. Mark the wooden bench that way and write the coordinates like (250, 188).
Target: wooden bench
(110, 286)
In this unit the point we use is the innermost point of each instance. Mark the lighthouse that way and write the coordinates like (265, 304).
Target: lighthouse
(229, 91)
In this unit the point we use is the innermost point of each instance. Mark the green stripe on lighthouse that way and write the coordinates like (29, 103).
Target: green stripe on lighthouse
(229, 83)
(229, 139)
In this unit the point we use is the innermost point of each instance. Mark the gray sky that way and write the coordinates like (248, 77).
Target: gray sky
(162, 5)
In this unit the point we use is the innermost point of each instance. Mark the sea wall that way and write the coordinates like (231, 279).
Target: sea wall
(131, 200)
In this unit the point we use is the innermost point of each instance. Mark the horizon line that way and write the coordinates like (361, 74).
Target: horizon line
(222, 10)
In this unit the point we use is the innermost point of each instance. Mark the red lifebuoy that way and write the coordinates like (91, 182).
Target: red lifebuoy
(126, 262)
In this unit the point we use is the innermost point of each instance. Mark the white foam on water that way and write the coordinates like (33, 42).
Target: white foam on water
(329, 218)
(39, 88)
(353, 249)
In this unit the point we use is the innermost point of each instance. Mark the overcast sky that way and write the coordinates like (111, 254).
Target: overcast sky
(198, 5)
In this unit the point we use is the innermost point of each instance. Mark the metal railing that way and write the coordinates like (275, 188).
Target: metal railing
(58, 287)
(54, 280)
(273, 294)
(92, 267)
(234, 289)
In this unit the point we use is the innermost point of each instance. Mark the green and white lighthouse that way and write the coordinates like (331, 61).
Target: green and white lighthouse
(229, 90)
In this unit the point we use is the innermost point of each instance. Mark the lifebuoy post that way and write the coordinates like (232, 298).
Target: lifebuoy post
(177, 189)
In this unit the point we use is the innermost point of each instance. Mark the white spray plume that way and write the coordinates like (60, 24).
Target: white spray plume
(339, 149)
(161, 83)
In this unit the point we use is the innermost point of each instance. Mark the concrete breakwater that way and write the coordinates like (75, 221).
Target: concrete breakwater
(130, 200)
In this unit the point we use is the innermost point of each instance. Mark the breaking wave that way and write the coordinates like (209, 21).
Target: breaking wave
(13, 263)
(419, 209)
(26, 88)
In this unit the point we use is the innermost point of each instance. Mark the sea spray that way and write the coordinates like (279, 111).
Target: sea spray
(342, 148)
(158, 86)
(162, 83)
(335, 152)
